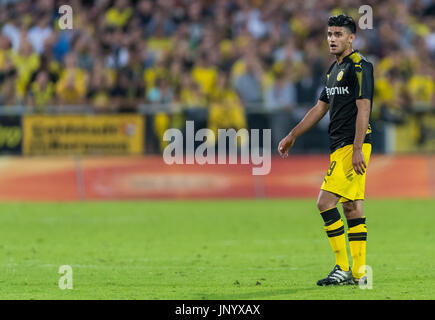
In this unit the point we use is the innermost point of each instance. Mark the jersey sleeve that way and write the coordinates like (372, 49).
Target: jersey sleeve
(323, 96)
(364, 83)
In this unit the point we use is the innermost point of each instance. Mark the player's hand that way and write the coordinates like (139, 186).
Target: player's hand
(285, 145)
(358, 162)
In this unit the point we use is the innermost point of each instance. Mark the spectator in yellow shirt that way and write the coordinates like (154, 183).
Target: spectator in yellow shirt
(71, 87)
(7, 82)
(226, 110)
(204, 74)
(421, 87)
(119, 14)
(159, 70)
(191, 95)
(391, 96)
(100, 82)
(41, 91)
(26, 62)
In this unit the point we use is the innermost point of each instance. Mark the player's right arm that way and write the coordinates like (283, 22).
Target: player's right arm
(313, 116)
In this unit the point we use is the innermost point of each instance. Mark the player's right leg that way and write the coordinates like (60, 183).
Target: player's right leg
(334, 228)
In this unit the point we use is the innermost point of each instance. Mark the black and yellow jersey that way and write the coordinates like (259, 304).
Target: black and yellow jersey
(346, 82)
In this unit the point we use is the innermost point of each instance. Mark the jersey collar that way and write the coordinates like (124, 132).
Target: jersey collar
(342, 60)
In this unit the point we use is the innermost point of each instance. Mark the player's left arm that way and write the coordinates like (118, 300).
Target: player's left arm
(364, 89)
(362, 123)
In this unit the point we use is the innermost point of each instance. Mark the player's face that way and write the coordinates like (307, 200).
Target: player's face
(339, 39)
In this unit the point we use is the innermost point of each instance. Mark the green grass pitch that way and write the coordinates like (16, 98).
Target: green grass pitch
(257, 249)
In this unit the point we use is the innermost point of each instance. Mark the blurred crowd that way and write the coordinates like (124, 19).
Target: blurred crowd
(225, 55)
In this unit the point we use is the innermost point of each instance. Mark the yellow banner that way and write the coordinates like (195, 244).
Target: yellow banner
(83, 135)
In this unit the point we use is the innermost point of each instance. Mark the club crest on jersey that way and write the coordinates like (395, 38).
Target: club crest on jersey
(340, 75)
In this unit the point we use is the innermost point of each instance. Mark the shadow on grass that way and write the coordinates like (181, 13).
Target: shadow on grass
(257, 295)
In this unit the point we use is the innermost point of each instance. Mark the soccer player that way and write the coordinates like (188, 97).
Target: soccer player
(348, 96)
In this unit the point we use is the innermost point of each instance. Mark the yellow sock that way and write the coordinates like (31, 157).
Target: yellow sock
(357, 235)
(337, 240)
(334, 228)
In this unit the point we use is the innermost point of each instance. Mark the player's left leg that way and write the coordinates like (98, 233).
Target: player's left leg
(357, 236)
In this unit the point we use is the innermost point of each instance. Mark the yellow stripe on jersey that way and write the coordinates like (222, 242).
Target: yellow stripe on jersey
(359, 77)
(355, 57)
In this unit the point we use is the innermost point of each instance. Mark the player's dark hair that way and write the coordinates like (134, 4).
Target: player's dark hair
(342, 20)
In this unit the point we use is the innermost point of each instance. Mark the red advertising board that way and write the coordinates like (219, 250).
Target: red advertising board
(119, 178)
